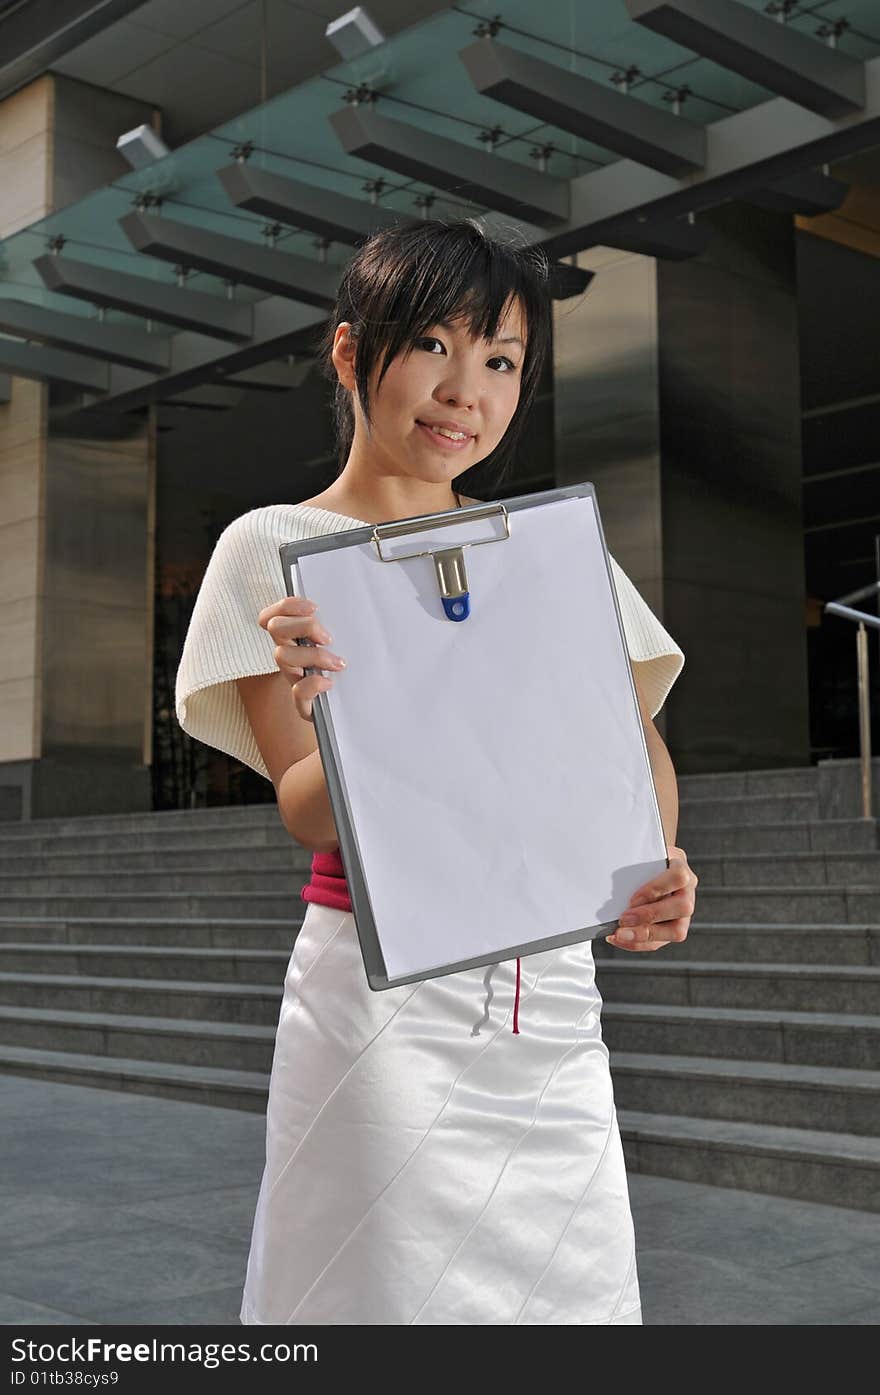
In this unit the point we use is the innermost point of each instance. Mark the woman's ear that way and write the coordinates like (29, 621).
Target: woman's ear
(343, 354)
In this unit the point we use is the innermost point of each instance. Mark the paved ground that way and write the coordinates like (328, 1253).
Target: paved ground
(124, 1208)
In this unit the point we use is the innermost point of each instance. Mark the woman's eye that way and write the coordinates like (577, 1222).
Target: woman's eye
(499, 358)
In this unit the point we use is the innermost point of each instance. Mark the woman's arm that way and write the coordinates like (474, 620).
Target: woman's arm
(659, 913)
(662, 768)
(289, 747)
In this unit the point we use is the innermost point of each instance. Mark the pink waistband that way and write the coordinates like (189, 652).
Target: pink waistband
(327, 885)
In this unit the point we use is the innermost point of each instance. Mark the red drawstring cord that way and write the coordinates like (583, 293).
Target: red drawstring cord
(516, 1002)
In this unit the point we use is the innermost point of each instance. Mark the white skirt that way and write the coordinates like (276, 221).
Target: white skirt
(424, 1164)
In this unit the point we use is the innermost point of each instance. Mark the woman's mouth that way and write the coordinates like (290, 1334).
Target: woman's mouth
(447, 442)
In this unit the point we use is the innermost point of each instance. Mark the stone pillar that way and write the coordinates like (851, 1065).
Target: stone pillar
(677, 392)
(25, 177)
(76, 574)
(97, 622)
(608, 411)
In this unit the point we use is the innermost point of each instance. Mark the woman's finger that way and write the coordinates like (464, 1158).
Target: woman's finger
(288, 605)
(665, 932)
(649, 945)
(293, 659)
(636, 918)
(676, 877)
(305, 692)
(286, 628)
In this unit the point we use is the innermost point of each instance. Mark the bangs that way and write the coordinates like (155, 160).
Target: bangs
(462, 278)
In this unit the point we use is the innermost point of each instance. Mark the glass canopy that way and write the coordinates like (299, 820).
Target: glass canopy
(420, 80)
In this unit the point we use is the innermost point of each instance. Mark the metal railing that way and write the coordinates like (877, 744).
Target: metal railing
(845, 611)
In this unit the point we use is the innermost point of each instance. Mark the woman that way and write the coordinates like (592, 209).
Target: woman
(434, 1155)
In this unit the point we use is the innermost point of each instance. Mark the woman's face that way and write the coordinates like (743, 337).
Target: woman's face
(446, 379)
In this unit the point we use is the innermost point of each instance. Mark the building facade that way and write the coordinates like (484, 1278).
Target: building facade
(706, 181)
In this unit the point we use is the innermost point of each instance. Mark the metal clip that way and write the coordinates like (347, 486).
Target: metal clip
(448, 562)
(453, 583)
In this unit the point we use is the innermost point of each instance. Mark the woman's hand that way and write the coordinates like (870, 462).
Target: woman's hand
(660, 911)
(287, 621)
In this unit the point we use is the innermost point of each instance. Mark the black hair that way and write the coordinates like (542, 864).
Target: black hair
(405, 279)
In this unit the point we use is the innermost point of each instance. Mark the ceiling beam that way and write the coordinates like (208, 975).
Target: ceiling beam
(41, 31)
(490, 180)
(275, 375)
(504, 186)
(557, 97)
(246, 263)
(808, 194)
(670, 239)
(341, 218)
(138, 295)
(44, 365)
(301, 205)
(214, 398)
(281, 327)
(746, 152)
(567, 280)
(114, 343)
(777, 56)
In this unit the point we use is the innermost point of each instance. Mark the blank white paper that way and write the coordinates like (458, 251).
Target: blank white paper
(495, 768)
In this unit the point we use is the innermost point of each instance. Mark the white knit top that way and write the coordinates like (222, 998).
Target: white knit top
(244, 575)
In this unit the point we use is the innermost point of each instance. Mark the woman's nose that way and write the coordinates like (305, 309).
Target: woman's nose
(458, 389)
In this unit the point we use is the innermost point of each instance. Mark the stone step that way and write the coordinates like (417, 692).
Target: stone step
(237, 1045)
(770, 904)
(698, 837)
(223, 1088)
(161, 820)
(835, 1169)
(284, 905)
(760, 942)
(132, 961)
(828, 1167)
(803, 870)
(747, 809)
(757, 1092)
(211, 932)
(235, 832)
(624, 978)
(743, 942)
(822, 835)
(756, 942)
(213, 858)
(192, 881)
(846, 835)
(764, 987)
(187, 868)
(778, 905)
(795, 779)
(188, 999)
(848, 1040)
(789, 987)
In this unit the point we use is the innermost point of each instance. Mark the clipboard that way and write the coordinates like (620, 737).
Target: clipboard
(487, 806)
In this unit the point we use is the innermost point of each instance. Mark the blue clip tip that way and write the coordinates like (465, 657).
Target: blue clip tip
(457, 607)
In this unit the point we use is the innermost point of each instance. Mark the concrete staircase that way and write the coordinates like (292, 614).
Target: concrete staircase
(749, 1056)
(146, 952)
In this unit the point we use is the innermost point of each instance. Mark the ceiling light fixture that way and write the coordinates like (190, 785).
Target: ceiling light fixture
(141, 146)
(354, 33)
